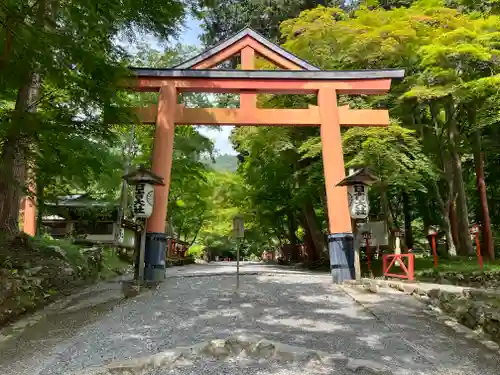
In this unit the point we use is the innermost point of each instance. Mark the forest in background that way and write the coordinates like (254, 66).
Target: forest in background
(66, 128)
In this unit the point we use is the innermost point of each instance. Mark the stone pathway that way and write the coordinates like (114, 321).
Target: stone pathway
(301, 310)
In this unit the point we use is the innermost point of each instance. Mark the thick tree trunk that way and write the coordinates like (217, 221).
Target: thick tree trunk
(444, 207)
(465, 244)
(292, 228)
(11, 184)
(389, 222)
(487, 249)
(292, 238)
(312, 226)
(408, 220)
(324, 202)
(452, 216)
(309, 245)
(13, 168)
(40, 204)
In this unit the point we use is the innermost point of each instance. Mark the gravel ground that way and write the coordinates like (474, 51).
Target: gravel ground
(296, 308)
(264, 368)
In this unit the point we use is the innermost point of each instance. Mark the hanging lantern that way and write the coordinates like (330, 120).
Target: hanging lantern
(144, 181)
(357, 192)
(358, 201)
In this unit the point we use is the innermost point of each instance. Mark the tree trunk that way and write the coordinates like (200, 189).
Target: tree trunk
(389, 222)
(309, 245)
(196, 233)
(408, 220)
(452, 215)
(40, 204)
(14, 149)
(312, 226)
(464, 241)
(292, 228)
(488, 249)
(292, 238)
(444, 207)
(324, 202)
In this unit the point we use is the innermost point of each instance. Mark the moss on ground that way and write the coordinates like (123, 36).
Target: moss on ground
(37, 270)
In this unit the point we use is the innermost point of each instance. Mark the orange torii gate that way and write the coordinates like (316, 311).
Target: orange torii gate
(296, 77)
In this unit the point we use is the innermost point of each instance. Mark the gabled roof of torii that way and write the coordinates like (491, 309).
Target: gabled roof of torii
(250, 33)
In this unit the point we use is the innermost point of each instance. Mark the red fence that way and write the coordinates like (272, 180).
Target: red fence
(389, 261)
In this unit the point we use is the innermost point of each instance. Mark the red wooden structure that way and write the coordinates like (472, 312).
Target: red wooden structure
(295, 76)
(408, 268)
(197, 75)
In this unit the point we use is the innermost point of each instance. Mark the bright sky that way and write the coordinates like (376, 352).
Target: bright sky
(191, 36)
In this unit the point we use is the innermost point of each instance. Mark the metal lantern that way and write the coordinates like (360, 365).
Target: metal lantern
(144, 181)
(475, 229)
(398, 232)
(432, 231)
(357, 191)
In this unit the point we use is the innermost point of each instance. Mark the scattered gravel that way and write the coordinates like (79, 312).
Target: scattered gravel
(299, 309)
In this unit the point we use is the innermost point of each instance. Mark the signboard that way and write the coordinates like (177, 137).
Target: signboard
(143, 200)
(238, 227)
(358, 201)
(367, 235)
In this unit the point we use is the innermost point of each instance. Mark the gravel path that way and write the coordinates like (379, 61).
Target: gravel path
(291, 307)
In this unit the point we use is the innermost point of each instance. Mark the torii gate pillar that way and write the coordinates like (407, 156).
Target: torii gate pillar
(340, 237)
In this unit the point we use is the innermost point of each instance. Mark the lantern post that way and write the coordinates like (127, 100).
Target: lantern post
(367, 235)
(239, 234)
(432, 232)
(145, 181)
(346, 265)
(474, 230)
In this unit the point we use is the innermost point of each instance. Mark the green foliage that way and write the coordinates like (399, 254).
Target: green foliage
(393, 153)
(222, 18)
(223, 163)
(196, 251)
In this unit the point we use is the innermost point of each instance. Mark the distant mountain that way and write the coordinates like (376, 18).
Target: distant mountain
(223, 163)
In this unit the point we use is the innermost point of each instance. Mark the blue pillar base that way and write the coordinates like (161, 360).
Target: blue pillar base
(341, 249)
(154, 257)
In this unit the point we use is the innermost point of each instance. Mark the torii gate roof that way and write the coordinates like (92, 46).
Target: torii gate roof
(200, 66)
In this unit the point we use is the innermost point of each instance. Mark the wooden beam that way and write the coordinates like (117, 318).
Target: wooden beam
(272, 56)
(238, 46)
(221, 56)
(265, 117)
(264, 85)
(248, 101)
(262, 117)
